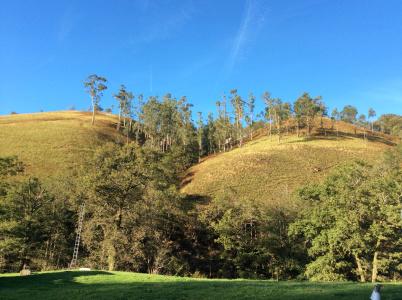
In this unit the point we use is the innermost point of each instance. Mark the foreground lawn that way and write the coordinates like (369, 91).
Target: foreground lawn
(122, 285)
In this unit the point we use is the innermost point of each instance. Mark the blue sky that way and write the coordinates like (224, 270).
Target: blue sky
(346, 51)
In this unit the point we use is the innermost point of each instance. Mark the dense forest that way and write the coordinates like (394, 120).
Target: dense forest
(136, 219)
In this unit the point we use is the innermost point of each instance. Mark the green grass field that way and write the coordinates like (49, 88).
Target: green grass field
(123, 285)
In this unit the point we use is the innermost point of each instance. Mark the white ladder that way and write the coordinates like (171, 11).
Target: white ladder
(78, 236)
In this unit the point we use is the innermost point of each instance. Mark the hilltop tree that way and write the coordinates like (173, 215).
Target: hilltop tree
(222, 124)
(348, 114)
(211, 136)
(323, 112)
(390, 124)
(335, 115)
(121, 98)
(200, 135)
(306, 108)
(280, 112)
(371, 114)
(361, 121)
(95, 86)
(238, 107)
(250, 116)
(269, 102)
(139, 113)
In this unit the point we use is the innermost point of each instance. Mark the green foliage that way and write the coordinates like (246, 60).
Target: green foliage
(390, 123)
(254, 240)
(352, 222)
(95, 85)
(135, 220)
(306, 109)
(33, 227)
(349, 114)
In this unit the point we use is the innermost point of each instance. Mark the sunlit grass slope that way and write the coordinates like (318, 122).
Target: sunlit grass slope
(122, 285)
(267, 171)
(54, 144)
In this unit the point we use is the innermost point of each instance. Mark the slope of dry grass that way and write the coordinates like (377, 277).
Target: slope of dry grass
(266, 171)
(54, 144)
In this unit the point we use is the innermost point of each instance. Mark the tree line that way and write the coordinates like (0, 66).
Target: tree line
(167, 121)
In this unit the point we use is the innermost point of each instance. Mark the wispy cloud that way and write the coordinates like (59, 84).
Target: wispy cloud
(65, 25)
(250, 25)
(387, 92)
(160, 26)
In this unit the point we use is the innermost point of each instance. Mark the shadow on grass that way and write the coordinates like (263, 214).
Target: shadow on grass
(46, 279)
(331, 136)
(105, 285)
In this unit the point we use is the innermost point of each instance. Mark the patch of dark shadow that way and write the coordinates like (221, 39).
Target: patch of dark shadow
(105, 137)
(187, 179)
(331, 136)
(46, 278)
(194, 200)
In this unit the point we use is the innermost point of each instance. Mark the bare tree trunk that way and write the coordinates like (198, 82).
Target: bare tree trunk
(374, 273)
(270, 126)
(93, 111)
(360, 270)
(111, 259)
(119, 122)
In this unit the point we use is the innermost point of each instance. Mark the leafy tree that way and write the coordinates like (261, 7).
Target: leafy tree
(223, 126)
(306, 109)
(135, 220)
(390, 123)
(32, 226)
(95, 85)
(361, 121)
(254, 239)
(122, 99)
(335, 116)
(348, 114)
(352, 222)
(280, 111)
(200, 135)
(371, 114)
(211, 134)
(238, 107)
(250, 116)
(268, 101)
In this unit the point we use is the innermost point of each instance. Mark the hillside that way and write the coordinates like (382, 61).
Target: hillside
(266, 171)
(54, 144)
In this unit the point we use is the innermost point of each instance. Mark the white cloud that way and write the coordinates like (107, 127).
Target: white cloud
(250, 25)
(66, 25)
(389, 91)
(156, 26)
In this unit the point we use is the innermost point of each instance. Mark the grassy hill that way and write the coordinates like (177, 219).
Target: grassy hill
(123, 285)
(267, 171)
(54, 144)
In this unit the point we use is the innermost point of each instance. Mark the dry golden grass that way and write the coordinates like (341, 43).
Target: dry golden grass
(267, 172)
(54, 144)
